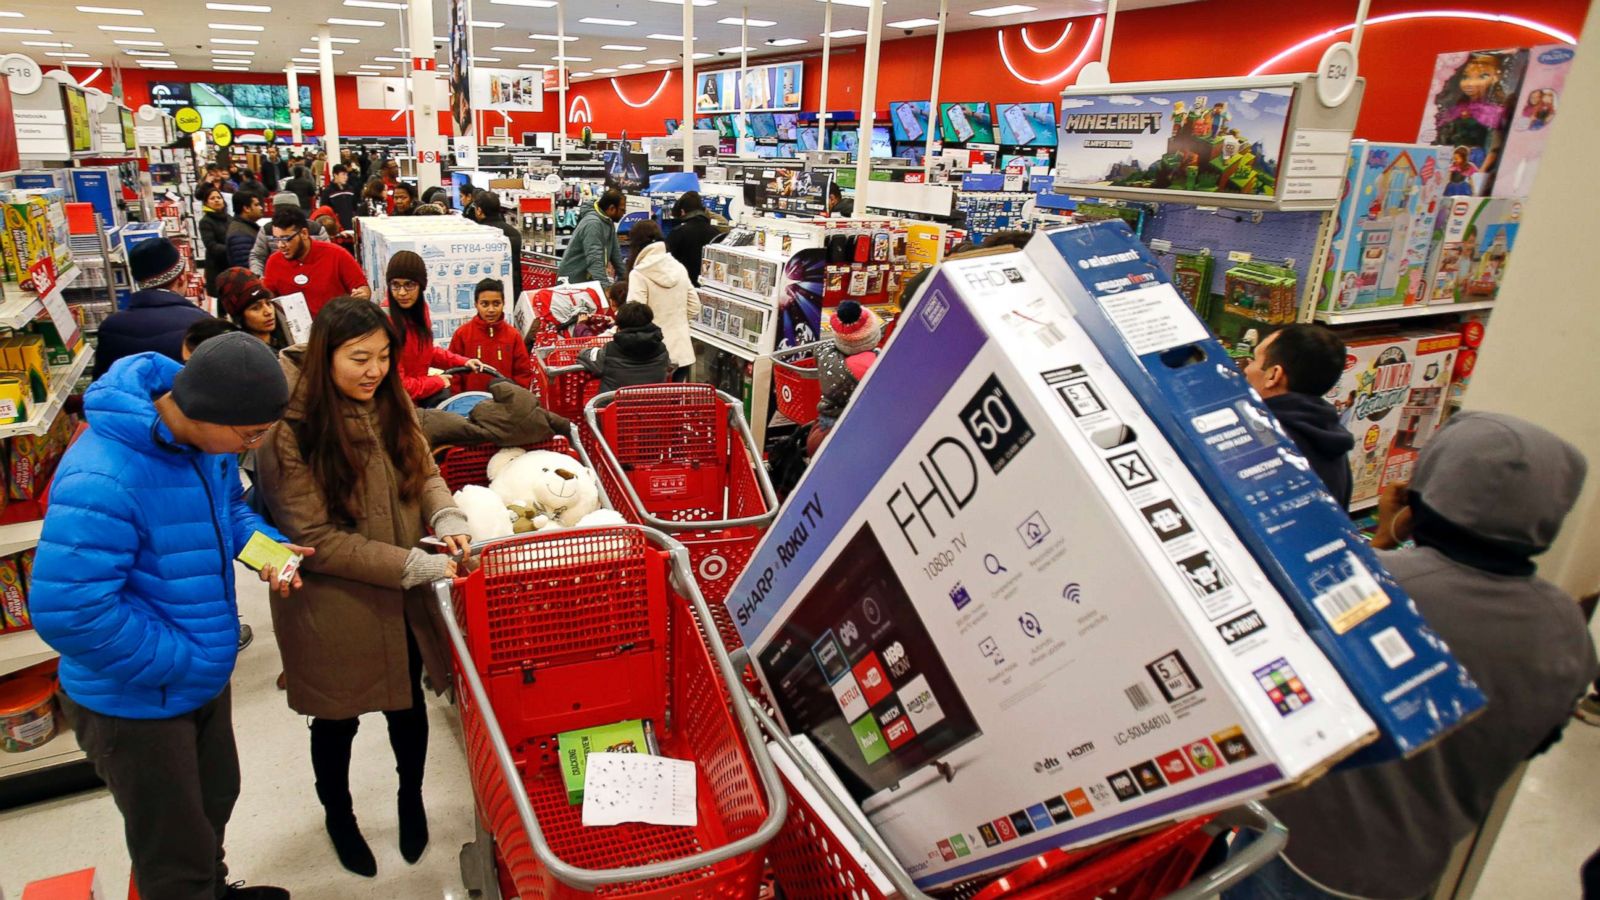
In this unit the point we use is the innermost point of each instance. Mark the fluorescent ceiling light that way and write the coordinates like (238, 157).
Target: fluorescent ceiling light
(67, 54)
(374, 66)
(228, 69)
(375, 4)
(845, 32)
(440, 40)
(574, 59)
(515, 49)
(237, 42)
(486, 59)
(662, 62)
(124, 29)
(628, 48)
(704, 55)
(157, 64)
(605, 71)
(233, 53)
(536, 4)
(786, 42)
(620, 23)
(363, 23)
(737, 50)
(631, 66)
(110, 11)
(33, 30)
(540, 66)
(582, 74)
(306, 62)
(678, 38)
(315, 50)
(147, 53)
(131, 43)
(225, 26)
(8, 14)
(390, 59)
(753, 23)
(405, 50)
(550, 37)
(63, 45)
(1009, 10)
(317, 39)
(914, 23)
(239, 7)
(479, 23)
(861, 3)
(680, 2)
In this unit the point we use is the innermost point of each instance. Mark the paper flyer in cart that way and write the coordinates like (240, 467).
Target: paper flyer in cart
(1403, 672)
(1005, 613)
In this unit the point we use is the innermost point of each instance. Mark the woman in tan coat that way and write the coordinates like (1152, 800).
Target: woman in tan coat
(348, 472)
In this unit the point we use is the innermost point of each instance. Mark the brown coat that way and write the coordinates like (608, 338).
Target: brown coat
(343, 634)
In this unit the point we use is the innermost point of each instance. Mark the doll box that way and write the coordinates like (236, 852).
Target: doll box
(996, 568)
(1223, 432)
(1384, 227)
(1469, 112)
(1535, 112)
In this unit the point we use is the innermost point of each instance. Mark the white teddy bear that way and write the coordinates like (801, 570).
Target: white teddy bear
(533, 491)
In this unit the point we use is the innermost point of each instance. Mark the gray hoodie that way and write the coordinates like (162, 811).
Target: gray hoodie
(1493, 486)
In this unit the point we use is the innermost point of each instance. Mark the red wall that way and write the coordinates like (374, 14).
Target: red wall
(1194, 40)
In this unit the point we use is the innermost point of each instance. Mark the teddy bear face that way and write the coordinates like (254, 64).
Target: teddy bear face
(554, 483)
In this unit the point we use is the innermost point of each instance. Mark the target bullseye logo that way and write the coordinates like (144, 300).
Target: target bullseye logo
(713, 567)
(788, 394)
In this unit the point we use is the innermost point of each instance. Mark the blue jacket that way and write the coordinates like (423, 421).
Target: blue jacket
(154, 320)
(133, 581)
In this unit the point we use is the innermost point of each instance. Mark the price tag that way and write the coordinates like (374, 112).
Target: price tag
(1238, 256)
(61, 316)
(43, 276)
(1336, 74)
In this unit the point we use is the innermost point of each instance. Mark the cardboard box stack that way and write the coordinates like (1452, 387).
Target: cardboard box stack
(458, 255)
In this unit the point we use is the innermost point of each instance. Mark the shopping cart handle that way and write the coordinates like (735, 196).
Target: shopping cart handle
(591, 879)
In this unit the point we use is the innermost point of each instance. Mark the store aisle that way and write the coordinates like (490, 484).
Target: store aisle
(276, 836)
(1554, 823)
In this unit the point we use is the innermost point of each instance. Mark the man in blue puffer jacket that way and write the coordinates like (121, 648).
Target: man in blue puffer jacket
(133, 585)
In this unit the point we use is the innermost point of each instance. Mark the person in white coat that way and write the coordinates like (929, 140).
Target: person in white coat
(662, 283)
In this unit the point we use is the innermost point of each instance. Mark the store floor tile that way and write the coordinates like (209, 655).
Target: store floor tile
(276, 836)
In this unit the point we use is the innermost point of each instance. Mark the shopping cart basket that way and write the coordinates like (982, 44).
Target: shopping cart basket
(794, 380)
(811, 861)
(680, 458)
(564, 385)
(582, 628)
(538, 271)
(464, 464)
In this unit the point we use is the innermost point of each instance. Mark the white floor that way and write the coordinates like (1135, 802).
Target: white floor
(277, 838)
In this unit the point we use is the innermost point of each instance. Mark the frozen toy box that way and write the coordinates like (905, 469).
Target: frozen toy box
(1008, 616)
(1406, 679)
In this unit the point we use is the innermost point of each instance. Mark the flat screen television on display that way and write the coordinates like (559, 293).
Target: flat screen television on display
(672, 125)
(728, 126)
(242, 107)
(763, 125)
(80, 133)
(845, 139)
(709, 123)
(1026, 124)
(129, 139)
(910, 120)
(787, 122)
(913, 152)
(966, 123)
(788, 149)
(806, 137)
(767, 151)
(882, 147)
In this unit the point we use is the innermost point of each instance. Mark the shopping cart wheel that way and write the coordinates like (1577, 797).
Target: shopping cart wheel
(477, 865)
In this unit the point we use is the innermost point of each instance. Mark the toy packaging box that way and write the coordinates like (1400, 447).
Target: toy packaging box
(1391, 398)
(1008, 616)
(1468, 113)
(1384, 228)
(1477, 235)
(1548, 65)
(1361, 618)
(458, 254)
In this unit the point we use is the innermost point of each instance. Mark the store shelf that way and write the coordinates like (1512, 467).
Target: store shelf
(21, 306)
(19, 536)
(62, 381)
(62, 750)
(21, 649)
(721, 343)
(1399, 312)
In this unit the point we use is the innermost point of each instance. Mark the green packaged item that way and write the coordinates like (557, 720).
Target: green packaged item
(56, 351)
(1191, 275)
(574, 747)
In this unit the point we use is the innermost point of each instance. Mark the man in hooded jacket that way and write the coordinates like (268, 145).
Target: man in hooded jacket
(1489, 493)
(1292, 370)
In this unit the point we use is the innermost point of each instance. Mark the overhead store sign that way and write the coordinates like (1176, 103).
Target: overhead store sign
(770, 87)
(1251, 142)
(241, 107)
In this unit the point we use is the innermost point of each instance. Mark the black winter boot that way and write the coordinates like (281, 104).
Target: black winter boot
(330, 760)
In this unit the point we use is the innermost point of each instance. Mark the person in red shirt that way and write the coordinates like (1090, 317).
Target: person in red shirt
(318, 269)
(406, 277)
(490, 338)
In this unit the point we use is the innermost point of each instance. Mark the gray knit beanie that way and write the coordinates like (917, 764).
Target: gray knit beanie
(232, 379)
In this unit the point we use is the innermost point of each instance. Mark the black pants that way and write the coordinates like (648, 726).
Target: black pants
(331, 740)
(175, 782)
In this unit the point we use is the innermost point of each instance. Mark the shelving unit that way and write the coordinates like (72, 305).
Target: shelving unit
(62, 381)
(60, 751)
(20, 307)
(17, 537)
(1385, 314)
(21, 649)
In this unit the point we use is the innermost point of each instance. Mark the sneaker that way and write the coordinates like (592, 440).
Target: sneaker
(245, 636)
(237, 891)
(1589, 710)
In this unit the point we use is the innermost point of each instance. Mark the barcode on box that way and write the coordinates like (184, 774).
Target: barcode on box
(1137, 695)
(1351, 602)
(1050, 335)
(1392, 646)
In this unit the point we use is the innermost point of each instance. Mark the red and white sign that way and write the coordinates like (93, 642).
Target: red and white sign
(553, 78)
(423, 64)
(428, 156)
(43, 276)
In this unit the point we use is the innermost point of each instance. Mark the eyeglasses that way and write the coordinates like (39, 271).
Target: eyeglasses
(403, 286)
(250, 440)
(281, 239)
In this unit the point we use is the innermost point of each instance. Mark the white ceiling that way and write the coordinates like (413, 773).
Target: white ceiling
(183, 30)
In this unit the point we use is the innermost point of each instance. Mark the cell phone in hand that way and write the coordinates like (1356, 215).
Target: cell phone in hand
(262, 552)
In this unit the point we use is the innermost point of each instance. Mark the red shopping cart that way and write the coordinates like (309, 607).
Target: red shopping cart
(546, 328)
(794, 380)
(564, 385)
(582, 628)
(810, 860)
(680, 458)
(538, 271)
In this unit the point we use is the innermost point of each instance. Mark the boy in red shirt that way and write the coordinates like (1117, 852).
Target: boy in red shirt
(490, 338)
(318, 269)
